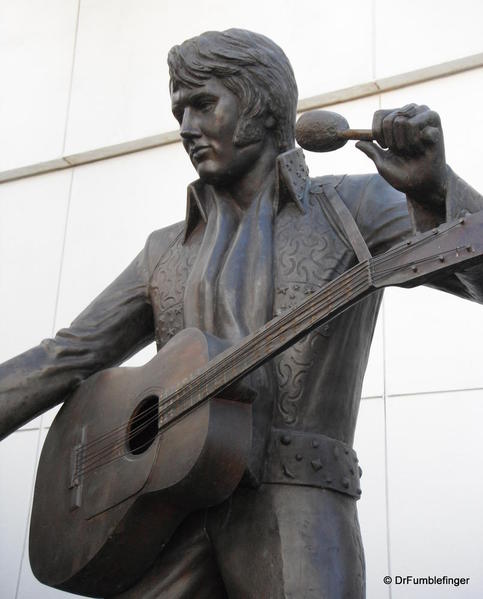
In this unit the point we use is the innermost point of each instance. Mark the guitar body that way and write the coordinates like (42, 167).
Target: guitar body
(108, 495)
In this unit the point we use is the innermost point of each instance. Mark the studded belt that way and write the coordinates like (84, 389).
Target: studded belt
(301, 458)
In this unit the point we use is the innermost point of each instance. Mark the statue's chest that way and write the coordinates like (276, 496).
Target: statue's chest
(307, 254)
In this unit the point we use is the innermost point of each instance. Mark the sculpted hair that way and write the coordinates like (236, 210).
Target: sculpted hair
(253, 68)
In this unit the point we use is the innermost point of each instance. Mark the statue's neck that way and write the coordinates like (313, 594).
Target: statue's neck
(244, 190)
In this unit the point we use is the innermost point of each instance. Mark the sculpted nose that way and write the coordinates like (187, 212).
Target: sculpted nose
(189, 128)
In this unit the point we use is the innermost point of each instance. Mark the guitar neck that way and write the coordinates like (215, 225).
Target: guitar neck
(409, 263)
(259, 347)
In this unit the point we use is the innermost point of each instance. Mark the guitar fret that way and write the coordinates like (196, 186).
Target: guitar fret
(271, 338)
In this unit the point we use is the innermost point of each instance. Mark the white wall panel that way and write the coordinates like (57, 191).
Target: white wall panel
(432, 342)
(414, 35)
(36, 49)
(120, 86)
(33, 213)
(435, 488)
(370, 446)
(31, 588)
(17, 463)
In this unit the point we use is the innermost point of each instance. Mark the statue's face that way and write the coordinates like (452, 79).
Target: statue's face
(208, 118)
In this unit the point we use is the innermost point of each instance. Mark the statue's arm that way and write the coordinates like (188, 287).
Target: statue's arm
(410, 156)
(114, 326)
(460, 199)
(386, 216)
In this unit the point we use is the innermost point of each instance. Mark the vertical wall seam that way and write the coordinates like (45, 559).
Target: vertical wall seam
(62, 252)
(71, 82)
(384, 361)
(374, 40)
(386, 460)
(27, 523)
(40, 430)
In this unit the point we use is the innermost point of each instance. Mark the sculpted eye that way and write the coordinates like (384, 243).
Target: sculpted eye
(206, 104)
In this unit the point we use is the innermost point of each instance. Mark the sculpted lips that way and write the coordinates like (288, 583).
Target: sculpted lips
(197, 151)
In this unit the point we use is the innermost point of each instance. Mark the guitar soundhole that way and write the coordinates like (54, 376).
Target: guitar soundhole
(143, 425)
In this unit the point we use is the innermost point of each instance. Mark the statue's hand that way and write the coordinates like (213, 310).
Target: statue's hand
(414, 161)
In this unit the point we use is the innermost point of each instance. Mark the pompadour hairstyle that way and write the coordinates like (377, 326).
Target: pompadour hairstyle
(253, 68)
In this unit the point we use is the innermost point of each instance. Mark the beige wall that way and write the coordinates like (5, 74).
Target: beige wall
(81, 75)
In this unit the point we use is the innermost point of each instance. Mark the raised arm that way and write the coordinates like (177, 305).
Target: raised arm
(410, 158)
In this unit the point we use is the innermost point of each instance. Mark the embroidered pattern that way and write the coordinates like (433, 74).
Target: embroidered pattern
(167, 288)
(309, 254)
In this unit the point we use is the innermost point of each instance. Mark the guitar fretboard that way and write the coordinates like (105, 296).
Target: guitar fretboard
(256, 349)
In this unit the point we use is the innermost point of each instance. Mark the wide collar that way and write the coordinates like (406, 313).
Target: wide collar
(292, 185)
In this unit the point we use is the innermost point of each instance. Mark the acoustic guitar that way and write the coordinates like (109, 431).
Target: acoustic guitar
(135, 450)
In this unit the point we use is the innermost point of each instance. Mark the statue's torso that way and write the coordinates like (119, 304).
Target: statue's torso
(315, 384)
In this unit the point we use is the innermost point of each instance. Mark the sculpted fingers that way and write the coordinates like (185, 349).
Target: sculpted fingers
(403, 129)
(407, 130)
(422, 130)
(388, 125)
(429, 126)
(377, 126)
(409, 152)
(400, 133)
(388, 129)
(396, 128)
(377, 129)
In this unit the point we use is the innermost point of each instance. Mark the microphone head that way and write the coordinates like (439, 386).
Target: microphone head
(320, 131)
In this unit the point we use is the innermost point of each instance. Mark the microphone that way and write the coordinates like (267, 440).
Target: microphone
(325, 131)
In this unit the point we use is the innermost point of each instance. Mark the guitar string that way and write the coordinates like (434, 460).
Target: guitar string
(410, 245)
(180, 400)
(387, 255)
(88, 465)
(382, 273)
(172, 403)
(256, 340)
(168, 397)
(172, 400)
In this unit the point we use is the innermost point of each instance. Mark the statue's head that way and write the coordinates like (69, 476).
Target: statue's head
(254, 69)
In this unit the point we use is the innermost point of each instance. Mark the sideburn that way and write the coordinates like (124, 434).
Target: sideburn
(248, 131)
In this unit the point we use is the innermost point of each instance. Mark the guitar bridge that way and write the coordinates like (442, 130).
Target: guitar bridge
(76, 461)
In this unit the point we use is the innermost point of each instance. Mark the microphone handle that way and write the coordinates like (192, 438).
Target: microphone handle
(357, 134)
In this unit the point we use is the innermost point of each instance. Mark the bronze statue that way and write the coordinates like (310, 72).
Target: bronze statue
(260, 237)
